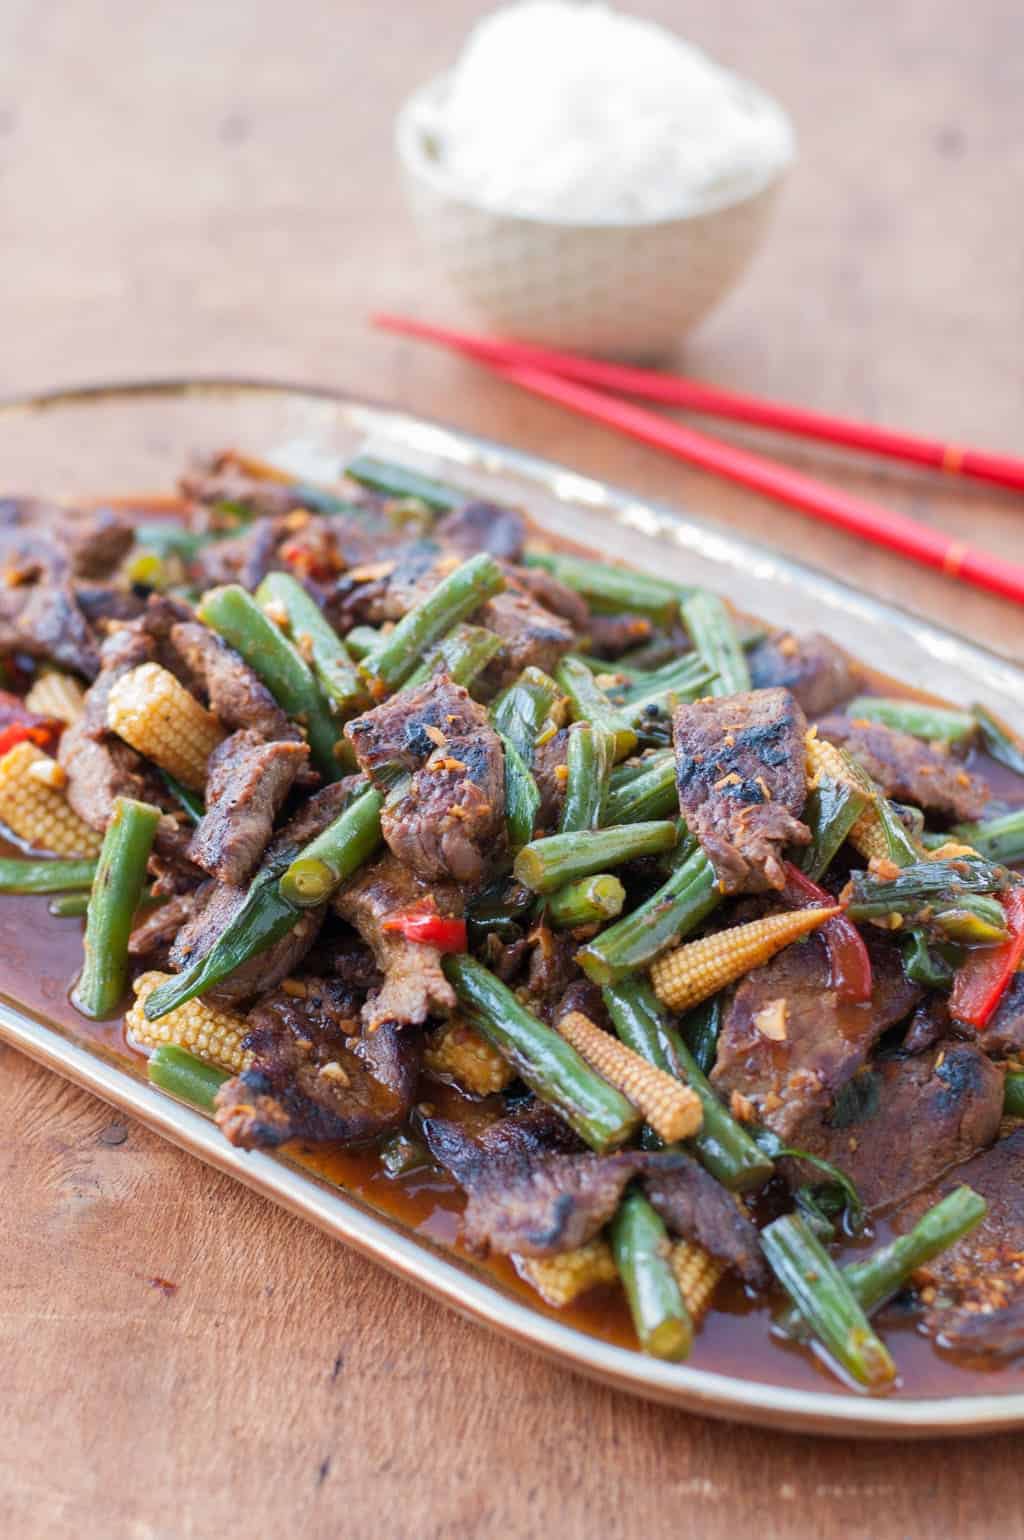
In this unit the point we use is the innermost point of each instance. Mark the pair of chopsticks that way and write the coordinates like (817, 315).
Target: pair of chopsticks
(582, 385)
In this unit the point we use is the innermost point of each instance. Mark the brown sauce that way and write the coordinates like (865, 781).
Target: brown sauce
(40, 956)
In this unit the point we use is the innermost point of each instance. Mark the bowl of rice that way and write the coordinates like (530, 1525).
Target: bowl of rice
(588, 180)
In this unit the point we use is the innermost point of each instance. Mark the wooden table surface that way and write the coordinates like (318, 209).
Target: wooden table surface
(209, 187)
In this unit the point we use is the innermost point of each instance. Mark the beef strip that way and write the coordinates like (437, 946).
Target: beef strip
(975, 1290)
(700, 1209)
(247, 782)
(384, 589)
(811, 667)
(414, 986)
(827, 1039)
(39, 610)
(216, 905)
(449, 822)
(612, 635)
(554, 595)
(313, 1076)
(531, 635)
(926, 774)
(1003, 1037)
(740, 768)
(235, 694)
(481, 526)
(153, 937)
(899, 1123)
(528, 1199)
(97, 542)
(549, 771)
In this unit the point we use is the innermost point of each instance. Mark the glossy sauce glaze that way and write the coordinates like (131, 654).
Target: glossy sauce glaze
(40, 956)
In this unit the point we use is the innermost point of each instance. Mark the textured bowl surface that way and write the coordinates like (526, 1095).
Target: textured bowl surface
(621, 290)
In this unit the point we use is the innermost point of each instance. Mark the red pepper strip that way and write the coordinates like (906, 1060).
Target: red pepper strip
(45, 735)
(849, 963)
(982, 979)
(429, 929)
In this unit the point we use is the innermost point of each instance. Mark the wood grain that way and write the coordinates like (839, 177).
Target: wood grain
(209, 187)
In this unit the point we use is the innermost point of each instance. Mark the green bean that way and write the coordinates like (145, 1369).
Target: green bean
(454, 599)
(176, 1070)
(713, 633)
(38, 876)
(630, 769)
(399, 481)
(651, 794)
(113, 900)
(547, 864)
(611, 668)
(700, 1028)
(589, 762)
(589, 703)
(937, 724)
(601, 1116)
(721, 1145)
(881, 1275)
(641, 1246)
(591, 901)
(463, 654)
(830, 812)
(824, 1299)
(1013, 1095)
(69, 906)
(263, 918)
(613, 588)
(526, 710)
(190, 800)
(236, 616)
(362, 640)
(346, 844)
(165, 538)
(522, 797)
(685, 681)
(315, 637)
(925, 885)
(682, 902)
(1000, 741)
(995, 839)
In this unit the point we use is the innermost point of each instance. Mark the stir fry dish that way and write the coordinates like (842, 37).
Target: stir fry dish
(682, 952)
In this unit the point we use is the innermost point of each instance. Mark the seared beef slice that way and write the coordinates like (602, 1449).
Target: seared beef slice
(450, 820)
(974, 1292)
(247, 782)
(925, 774)
(817, 672)
(740, 767)
(903, 1121)
(824, 1041)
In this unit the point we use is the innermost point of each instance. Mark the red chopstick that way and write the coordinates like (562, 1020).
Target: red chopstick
(694, 396)
(880, 525)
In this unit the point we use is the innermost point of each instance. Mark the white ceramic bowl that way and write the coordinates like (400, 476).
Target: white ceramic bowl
(624, 290)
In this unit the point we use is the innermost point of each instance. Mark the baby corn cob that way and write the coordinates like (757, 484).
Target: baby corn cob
(561, 1279)
(463, 1054)
(670, 1108)
(698, 1274)
(56, 695)
(699, 969)
(213, 1035)
(150, 710)
(38, 813)
(867, 836)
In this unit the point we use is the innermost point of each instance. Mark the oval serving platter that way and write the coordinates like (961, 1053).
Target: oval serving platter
(134, 438)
